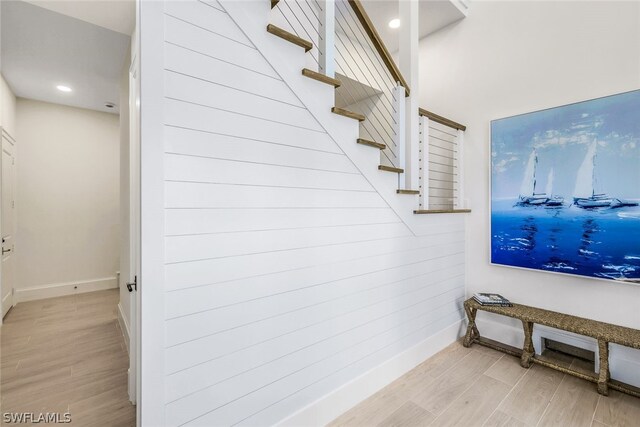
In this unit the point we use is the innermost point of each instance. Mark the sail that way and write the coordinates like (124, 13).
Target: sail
(584, 179)
(549, 188)
(529, 180)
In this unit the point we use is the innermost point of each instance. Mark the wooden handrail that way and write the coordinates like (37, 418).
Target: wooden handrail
(378, 44)
(441, 120)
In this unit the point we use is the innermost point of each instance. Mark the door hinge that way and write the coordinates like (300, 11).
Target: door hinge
(133, 286)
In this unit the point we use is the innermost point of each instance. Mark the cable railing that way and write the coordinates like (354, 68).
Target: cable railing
(368, 86)
(440, 163)
(348, 47)
(302, 18)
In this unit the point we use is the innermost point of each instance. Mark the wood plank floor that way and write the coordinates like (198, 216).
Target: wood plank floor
(483, 387)
(66, 354)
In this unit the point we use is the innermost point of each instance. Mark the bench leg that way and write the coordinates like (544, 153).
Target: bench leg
(528, 350)
(472, 330)
(605, 375)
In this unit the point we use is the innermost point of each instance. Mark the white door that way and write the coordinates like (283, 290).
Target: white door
(134, 229)
(8, 220)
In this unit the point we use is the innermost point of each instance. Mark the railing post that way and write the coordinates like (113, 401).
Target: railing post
(399, 126)
(423, 163)
(327, 38)
(409, 66)
(459, 201)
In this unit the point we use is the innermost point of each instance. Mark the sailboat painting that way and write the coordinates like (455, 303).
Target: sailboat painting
(565, 189)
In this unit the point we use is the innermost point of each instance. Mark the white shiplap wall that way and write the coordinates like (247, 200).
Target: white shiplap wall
(286, 273)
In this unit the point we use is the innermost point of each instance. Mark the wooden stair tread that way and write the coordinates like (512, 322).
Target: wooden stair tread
(321, 77)
(347, 113)
(292, 38)
(274, 3)
(371, 143)
(390, 169)
(408, 191)
(440, 211)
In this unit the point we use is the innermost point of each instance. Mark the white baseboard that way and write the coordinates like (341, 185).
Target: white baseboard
(330, 406)
(624, 362)
(62, 289)
(124, 326)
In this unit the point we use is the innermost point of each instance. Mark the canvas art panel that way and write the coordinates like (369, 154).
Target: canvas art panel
(565, 189)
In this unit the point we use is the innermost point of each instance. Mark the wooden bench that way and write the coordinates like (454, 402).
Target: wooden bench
(604, 333)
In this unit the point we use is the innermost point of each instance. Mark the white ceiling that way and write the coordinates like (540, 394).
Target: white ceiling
(434, 15)
(115, 15)
(42, 49)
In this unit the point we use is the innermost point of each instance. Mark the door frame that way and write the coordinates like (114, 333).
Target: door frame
(4, 134)
(134, 226)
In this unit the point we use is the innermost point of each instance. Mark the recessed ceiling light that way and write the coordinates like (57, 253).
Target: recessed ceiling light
(394, 23)
(63, 88)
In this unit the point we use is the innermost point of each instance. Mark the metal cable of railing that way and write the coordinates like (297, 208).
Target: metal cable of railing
(373, 56)
(440, 159)
(360, 93)
(360, 62)
(301, 24)
(377, 78)
(359, 56)
(344, 10)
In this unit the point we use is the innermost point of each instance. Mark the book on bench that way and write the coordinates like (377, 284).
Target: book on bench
(492, 299)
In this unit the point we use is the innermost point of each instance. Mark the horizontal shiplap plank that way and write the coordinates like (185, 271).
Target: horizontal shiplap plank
(210, 17)
(271, 404)
(274, 381)
(205, 93)
(200, 221)
(186, 141)
(182, 59)
(235, 291)
(210, 246)
(347, 296)
(203, 195)
(192, 116)
(199, 169)
(220, 271)
(409, 299)
(210, 322)
(184, 34)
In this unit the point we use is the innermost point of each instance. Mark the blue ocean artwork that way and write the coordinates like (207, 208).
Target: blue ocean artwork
(565, 189)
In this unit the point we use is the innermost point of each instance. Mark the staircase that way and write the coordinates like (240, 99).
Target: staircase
(387, 164)
(333, 84)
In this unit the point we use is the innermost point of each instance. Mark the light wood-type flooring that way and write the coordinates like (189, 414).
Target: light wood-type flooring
(483, 387)
(66, 354)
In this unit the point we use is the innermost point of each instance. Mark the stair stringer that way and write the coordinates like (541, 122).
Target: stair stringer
(253, 17)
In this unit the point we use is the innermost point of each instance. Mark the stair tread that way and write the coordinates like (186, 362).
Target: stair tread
(372, 143)
(347, 113)
(441, 211)
(290, 37)
(321, 77)
(390, 169)
(408, 191)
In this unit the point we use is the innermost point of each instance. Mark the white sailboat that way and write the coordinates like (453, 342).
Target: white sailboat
(528, 188)
(584, 195)
(528, 195)
(552, 200)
